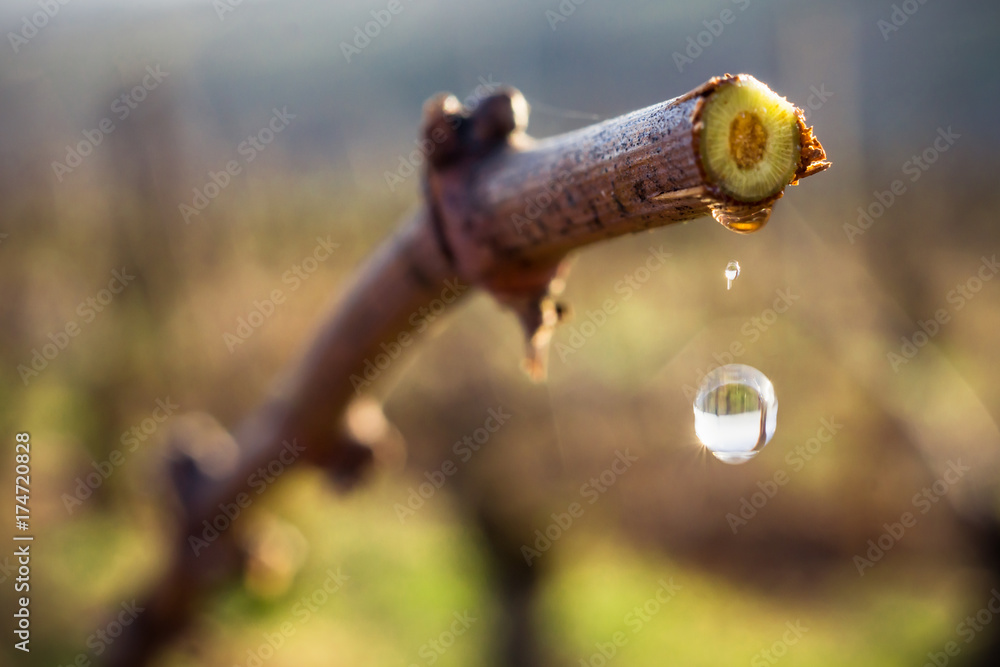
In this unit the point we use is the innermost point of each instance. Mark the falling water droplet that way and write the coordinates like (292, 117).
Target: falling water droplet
(735, 412)
(732, 273)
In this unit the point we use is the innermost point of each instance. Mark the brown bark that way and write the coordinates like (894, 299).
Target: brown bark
(501, 211)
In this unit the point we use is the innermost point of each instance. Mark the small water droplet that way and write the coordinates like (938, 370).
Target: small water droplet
(742, 218)
(732, 273)
(735, 412)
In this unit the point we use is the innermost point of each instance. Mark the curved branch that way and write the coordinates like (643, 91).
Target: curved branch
(501, 212)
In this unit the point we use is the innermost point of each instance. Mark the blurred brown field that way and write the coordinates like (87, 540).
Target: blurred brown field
(750, 554)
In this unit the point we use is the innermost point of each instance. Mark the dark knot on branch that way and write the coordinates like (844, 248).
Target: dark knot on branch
(456, 132)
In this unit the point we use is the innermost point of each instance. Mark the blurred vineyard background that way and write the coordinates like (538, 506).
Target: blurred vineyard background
(626, 388)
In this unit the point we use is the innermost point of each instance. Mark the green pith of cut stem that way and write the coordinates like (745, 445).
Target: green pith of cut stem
(749, 141)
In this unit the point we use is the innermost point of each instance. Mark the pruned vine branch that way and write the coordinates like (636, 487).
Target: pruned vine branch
(500, 212)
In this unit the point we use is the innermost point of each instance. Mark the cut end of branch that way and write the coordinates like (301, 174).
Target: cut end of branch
(748, 139)
(751, 142)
